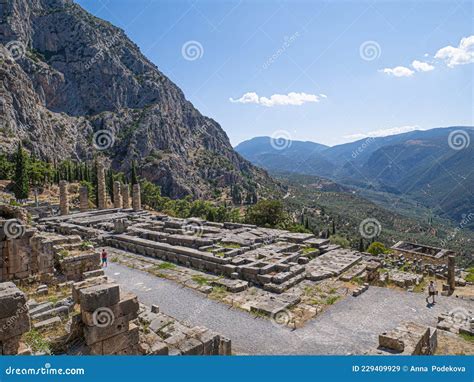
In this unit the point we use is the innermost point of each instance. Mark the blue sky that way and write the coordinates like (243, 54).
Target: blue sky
(348, 63)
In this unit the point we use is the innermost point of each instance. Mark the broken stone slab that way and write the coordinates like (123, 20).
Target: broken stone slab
(59, 311)
(160, 322)
(41, 308)
(409, 338)
(99, 296)
(94, 273)
(233, 286)
(47, 323)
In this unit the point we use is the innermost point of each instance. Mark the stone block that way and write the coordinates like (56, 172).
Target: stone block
(191, 346)
(107, 329)
(76, 287)
(121, 341)
(14, 325)
(159, 348)
(41, 308)
(11, 299)
(389, 341)
(47, 323)
(59, 311)
(128, 306)
(99, 296)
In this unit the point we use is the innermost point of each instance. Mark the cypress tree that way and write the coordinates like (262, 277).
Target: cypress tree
(333, 228)
(361, 245)
(22, 185)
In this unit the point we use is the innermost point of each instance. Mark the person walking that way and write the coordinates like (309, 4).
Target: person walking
(431, 292)
(104, 258)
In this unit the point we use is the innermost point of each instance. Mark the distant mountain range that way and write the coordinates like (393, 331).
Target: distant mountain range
(433, 167)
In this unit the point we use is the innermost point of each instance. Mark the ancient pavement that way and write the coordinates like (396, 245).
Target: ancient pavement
(350, 326)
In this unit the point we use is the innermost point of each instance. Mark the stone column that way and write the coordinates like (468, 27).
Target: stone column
(83, 199)
(136, 198)
(117, 195)
(451, 275)
(125, 196)
(63, 199)
(102, 192)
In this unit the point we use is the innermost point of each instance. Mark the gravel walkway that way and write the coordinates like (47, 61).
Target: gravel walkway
(350, 326)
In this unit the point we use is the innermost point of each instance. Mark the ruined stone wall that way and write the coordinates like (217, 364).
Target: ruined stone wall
(108, 316)
(17, 261)
(75, 265)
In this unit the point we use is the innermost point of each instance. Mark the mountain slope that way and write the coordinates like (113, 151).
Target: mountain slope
(286, 156)
(424, 165)
(74, 75)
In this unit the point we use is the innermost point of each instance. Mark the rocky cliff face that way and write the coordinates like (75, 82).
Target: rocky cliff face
(74, 86)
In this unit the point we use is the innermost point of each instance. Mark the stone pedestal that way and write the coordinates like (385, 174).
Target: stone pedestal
(136, 198)
(101, 190)
(63, 198)
(83, 199)
(107, 315)
(451, 274)
(125, 196)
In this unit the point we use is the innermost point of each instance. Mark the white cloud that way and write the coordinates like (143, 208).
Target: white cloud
(421, 66)
(295, 99)
(463, 54)
(384, 132)
(398, 71)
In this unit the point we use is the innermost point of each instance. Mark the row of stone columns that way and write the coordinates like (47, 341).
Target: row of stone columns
(121, 194)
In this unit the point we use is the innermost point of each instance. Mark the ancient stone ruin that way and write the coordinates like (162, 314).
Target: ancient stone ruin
(14, 318)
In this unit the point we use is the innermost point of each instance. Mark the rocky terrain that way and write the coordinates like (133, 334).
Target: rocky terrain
(73, 86)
